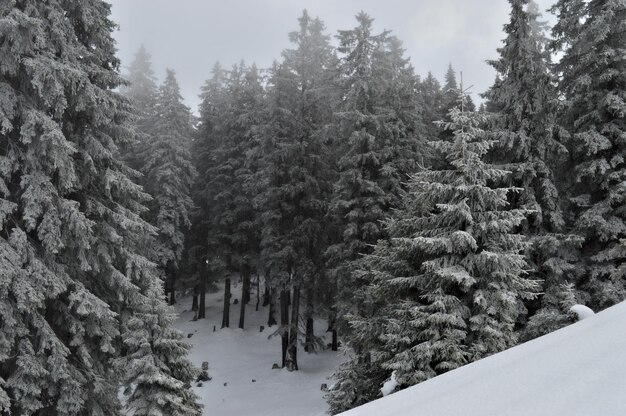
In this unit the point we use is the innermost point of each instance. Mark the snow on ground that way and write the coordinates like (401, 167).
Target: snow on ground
(579, 370)
(236, 357)
(582, 311)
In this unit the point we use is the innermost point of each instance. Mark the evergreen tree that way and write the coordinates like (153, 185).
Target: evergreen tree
(592, 72)
(447, 284)
(74, 276)
(297, 177)
(141, 89)
(432, 98)
(231, 114)
(168, 174)
(523, 98)
(203, 255)
(379, 140)
(451, 93)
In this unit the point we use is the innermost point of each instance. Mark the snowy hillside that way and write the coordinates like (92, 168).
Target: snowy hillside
(240, 364)
(578, 370)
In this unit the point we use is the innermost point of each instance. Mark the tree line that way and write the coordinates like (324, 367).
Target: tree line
(338, 183)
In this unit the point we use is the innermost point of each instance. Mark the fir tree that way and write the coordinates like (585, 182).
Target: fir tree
(379, 140)
(592, 72)
(203, 256)
(447, 284)
(142, 90)
(524, 99)
(168, 174)
(297, 177)
(73, 269)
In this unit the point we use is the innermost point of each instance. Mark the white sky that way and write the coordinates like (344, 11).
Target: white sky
(191, 35)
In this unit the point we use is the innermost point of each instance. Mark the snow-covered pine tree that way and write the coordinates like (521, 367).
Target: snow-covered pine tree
(232, 113)
(451, 92)
(142, 90)
(431, 96)
(379, 142)
(153, 346)
(297, 177)
(168, 174)
(524, 100)
(203, 255)
(73, 271)
(592, 80)
(447, 283)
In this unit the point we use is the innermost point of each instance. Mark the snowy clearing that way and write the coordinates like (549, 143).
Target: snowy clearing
(578, 370)
(236, 357)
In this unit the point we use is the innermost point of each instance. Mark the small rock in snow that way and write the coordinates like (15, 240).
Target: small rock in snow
(275, 366)
(582, 311)
(189, 335)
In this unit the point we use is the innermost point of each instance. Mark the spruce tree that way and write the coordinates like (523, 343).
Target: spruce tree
(447, 283)
(297, 177)
(380, 141)
(74, 276)
(592, 80)
(168, 174)
(141, 89)
(524, 100)
(203, 255)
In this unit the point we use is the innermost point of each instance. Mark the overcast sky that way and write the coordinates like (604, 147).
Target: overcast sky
(189, 36)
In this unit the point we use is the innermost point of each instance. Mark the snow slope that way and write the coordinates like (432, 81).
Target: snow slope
(578, 370)
(236, 357)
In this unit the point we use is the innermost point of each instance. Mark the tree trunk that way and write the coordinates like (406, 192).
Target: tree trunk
(202, 290)
(271, 301)
(173, 289)
(332, 327)
(284, 323)
(226, 308)
(266, 293)
(309, 339)
(194, 299)
(245, 291)
(292, 362)
(258, 292)
(245, 288)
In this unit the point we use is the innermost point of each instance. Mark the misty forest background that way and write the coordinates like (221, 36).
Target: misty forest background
(337, 185)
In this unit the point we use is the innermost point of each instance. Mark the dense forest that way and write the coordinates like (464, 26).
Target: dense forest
(337, 185)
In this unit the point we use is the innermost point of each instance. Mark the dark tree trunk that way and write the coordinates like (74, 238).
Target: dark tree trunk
(266, 293)
(245, 291)
(309, 342)
(173, 289)
(271, 318)
(258, 292)
(284, 323)
(194, 299)
(332, 327)
(292, 362)
(245, 288)
(202, 290)
(226, 309)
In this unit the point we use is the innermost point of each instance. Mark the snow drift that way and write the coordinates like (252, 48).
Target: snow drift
(578, 370)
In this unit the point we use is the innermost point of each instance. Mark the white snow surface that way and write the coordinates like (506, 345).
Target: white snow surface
(236, 357)
(390, 385)
(579, 370)
(582, 311)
